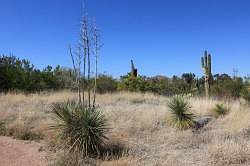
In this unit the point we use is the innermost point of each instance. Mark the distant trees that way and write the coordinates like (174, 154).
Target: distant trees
(189, 79)
(225, 86)
(20, 74)
(106, 84)
(133, 84)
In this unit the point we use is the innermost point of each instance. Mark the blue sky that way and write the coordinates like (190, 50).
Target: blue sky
(164, 37)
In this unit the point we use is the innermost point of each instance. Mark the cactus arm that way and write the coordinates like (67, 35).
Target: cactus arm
(209, 63)
(202, 62)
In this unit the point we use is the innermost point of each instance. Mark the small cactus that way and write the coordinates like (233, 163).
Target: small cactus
(206, 65)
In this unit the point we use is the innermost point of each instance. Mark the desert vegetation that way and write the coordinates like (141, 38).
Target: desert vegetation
(15, 76)
(81, 117)
(139, 132)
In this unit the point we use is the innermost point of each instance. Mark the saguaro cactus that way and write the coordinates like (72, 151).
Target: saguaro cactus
(133, 69)
(206, 65)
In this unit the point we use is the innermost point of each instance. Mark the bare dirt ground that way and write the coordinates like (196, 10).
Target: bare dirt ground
(21, 153)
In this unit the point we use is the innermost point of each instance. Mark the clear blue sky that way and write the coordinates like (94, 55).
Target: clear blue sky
(162, 36)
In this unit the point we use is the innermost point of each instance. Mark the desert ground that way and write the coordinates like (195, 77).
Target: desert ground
(138, 123)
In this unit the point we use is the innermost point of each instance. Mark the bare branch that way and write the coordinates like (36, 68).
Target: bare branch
(73, 61)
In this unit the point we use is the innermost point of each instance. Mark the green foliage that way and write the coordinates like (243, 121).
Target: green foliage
(189, 79)
(21, 75)
(225, 86)
(3, 129)
(106, 84)
(245, 94)
(180, 113)
(81, 128)
(133, 84)
(220, 110)
(17, 74)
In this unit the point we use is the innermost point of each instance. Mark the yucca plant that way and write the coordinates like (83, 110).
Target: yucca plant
(81, 128)
(181, 117)
(220, 110)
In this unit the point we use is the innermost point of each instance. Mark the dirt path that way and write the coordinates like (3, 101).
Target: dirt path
(20, 153)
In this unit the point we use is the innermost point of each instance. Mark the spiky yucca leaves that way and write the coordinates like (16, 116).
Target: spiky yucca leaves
(220, 110)
(81, 128)
(180, 111)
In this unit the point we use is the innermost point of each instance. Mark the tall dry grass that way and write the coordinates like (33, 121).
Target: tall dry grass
(138, 121)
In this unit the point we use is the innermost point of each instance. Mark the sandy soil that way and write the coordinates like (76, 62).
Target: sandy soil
(21, 153)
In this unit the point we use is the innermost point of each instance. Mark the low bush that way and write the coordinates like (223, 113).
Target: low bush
(3, 129)
(245, 94)
(220, 110)
(19, 131)
(23, 132)
(181, 117)
(82, 129)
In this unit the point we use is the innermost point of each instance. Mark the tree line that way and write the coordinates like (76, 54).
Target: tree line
(21, 75)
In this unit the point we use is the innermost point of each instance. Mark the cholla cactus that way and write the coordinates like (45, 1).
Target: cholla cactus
(206, 65)
(133, 69)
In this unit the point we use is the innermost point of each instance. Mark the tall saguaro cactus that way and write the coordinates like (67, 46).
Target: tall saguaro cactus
(133, 69)
(206, 65)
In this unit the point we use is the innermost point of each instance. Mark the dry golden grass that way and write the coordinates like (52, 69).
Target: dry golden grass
(139, 122)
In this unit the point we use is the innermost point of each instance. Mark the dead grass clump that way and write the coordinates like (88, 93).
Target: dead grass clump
(137, 101)
(23, 132)
(229, 152)
(19, 126)
(73, 159)
(112, 154)
(67, 159)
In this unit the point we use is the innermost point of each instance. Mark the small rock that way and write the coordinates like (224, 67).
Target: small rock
(203, 121)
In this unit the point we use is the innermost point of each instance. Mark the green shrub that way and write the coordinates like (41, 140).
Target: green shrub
(106, 84)
(180, 111)
(133, 84)
(68, 159)
(81, 128)
(227, 87)
(3, 129)
(220, 110)
(245, 94)
(19, 131)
